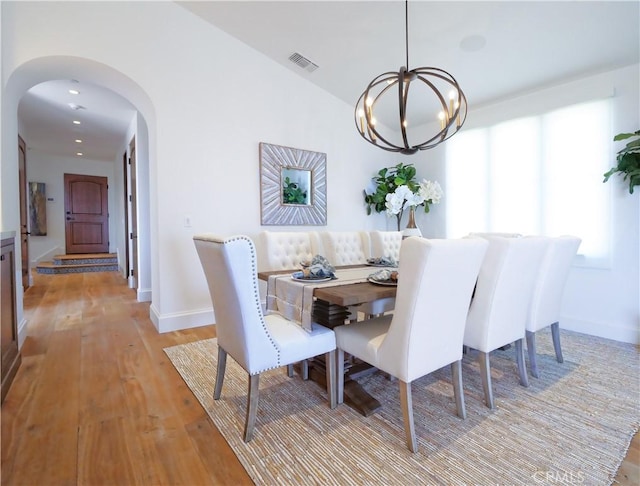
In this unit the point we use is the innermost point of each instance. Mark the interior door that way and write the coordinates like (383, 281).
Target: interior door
(125, 178)
(24, 230)
(134, 214)
(86, 214)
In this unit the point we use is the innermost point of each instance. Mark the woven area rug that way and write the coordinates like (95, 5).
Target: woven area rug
(573, 425)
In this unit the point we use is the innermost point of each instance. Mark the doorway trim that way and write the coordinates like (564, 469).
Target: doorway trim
(24, 208)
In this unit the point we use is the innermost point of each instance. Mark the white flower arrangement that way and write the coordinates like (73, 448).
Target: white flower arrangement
(394, 189)
(429, 192)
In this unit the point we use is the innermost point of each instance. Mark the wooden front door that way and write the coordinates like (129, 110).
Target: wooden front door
(24, 230)
(86, 214)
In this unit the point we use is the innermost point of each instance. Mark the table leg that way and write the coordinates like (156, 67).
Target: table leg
(354, 394)
(332, 315)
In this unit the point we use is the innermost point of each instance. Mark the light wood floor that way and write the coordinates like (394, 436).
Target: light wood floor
(97, 402)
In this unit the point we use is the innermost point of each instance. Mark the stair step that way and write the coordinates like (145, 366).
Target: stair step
(89, 258)
(92, 262)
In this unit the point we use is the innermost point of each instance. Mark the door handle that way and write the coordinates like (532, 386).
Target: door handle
(70, 219)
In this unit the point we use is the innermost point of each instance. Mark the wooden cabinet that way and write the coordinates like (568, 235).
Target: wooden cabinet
(9, 319)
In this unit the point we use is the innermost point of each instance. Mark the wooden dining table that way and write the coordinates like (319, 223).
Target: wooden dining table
(331, 308)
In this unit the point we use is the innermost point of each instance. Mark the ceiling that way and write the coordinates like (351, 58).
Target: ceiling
(48, 113)
(495, 50)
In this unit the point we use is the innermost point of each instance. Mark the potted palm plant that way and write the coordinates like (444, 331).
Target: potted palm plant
(628, 160)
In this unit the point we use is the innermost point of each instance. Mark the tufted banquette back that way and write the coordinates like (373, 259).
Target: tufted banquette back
(284, 250)
(346, 247)
(386, 244)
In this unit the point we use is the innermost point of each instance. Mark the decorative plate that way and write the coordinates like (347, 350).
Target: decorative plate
(299, 276)
(381, 262)
(310, 279)
(389, 283)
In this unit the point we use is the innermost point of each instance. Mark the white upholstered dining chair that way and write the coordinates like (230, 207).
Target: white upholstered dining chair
(500, 304)
(256, 341)
(547, 295)
(386, 244)
(286, 250)
(425, 331)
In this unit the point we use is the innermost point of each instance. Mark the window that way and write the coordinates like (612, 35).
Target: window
(535, 175)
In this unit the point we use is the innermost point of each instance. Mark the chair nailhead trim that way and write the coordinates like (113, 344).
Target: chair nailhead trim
(256, 293)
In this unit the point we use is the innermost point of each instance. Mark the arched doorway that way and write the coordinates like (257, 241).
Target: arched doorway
(50, 68)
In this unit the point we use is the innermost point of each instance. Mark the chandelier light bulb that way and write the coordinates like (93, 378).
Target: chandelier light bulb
(442, 117)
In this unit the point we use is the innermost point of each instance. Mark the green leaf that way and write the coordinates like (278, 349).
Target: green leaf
(387, 181)
(628, 160)
(624, 136)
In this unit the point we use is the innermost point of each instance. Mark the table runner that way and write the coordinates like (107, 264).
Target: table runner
(294, 299)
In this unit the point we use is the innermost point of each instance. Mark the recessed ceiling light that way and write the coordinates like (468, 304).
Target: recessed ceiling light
(74, 91)
(76, 122)
(78, 140)
(79, 153)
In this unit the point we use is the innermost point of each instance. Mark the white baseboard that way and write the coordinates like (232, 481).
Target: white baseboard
(625, 333)
(144, 295)
(182, 320)
(47, 256)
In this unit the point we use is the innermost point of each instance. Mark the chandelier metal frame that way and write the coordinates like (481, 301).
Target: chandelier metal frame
(452, 116)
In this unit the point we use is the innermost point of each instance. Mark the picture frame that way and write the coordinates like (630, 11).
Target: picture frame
(37, 209)
(293, 186)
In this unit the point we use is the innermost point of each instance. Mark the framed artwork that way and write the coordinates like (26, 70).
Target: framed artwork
(293, 186)
(38, 208)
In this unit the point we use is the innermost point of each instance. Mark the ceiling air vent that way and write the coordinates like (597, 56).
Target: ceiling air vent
(303, 62)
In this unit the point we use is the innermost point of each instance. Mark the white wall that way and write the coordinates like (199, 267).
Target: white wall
(208, 100)
(50, 169)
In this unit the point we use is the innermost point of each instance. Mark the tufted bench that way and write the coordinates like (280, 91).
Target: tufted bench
(346, 247)
(285, 250)
(386, 244)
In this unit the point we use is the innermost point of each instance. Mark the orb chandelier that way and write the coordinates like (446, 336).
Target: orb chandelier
(427, 87)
